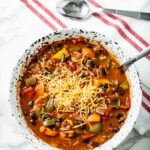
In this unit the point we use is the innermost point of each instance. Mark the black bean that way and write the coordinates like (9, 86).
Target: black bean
(90, 63)
(86, 141)
(115, 129)
(31, 103)
(83, 126)
(89, 46)
(59, 46)
(95, 144)
(58, 119)
(33, 122)
(46, 116)
(105, 86)
(104, 72)
(35, 58)
(33, 116)
(25, 112)
(78, 122)
(120, 91)
(119, 116)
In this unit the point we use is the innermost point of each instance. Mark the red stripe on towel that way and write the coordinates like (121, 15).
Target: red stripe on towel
(138, 37)
(146, 96)
(146, 107)
(50, 13)
(125, 24)
(120, 31)
(31, 8)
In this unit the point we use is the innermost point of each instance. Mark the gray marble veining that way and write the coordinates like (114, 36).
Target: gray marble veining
(132, 139)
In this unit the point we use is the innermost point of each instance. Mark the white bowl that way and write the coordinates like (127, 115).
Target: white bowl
(119, 53)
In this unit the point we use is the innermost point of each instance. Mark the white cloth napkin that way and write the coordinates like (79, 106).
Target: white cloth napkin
(36, 18)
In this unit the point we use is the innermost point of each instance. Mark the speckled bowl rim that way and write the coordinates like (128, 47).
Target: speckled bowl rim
(114, 48)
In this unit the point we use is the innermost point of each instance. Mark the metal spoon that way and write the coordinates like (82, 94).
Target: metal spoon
(81, 10)
(74, 9)
(128, 63)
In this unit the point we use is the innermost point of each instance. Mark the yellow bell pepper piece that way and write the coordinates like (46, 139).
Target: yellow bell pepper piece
(89, 53)
(99, 82)
(47, 131)
(58, 55)
(125, 85)
(39, 90)
(94, 118)
(39, 93)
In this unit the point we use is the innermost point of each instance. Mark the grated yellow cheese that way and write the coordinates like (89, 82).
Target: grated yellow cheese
(70, 91)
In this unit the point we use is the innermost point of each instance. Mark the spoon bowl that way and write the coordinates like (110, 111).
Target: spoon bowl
(74, 10)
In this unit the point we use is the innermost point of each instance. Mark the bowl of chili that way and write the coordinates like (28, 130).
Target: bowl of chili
(67, 92)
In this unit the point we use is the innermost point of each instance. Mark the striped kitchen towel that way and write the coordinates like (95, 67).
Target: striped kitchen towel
(39, 17)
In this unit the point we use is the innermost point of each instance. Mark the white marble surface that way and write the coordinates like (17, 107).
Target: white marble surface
(13, 40)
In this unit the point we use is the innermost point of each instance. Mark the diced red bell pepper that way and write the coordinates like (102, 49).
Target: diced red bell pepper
(86, 136)
(28, 92)
(73, 66)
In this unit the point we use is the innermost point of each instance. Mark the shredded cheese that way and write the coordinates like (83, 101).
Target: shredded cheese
(71, 91)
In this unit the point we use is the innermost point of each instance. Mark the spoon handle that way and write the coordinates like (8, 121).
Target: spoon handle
(134, 14)
(145, 52)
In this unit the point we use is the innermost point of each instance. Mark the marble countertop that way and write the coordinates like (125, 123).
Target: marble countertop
(13, 37)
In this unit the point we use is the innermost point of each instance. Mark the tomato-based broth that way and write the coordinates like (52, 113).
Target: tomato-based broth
(74, 95)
